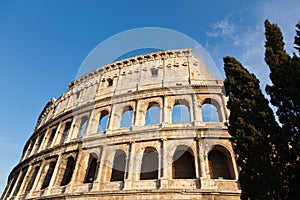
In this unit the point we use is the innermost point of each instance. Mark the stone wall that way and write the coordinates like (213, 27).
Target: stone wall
(165, 79)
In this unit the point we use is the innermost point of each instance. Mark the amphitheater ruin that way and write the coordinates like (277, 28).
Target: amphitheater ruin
(153, 126)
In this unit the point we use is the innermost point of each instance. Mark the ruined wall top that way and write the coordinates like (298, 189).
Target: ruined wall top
(156, 70)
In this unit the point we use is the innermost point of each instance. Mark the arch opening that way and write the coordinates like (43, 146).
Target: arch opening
(91, 173)
(103, 121)
(66, 132)
(118, 171)
(49, 174)
(12, 184)
(126, 120)
(20, 181)
(68, 171)
(51, 138)
(149, 166)
(32, 179)
(210, 110)
(220, 164)
(183, 166)
(152, 114)
(181, 112)
(83, 126)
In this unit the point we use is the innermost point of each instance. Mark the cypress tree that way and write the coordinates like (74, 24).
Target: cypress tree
(285, 95)
(252, 124)
(297, 37)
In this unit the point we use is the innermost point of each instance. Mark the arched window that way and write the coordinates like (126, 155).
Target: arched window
(13, 182)
(39, 142)
(17, 188)
(32, 179)
(49, 174)
(181, 112)
(103, 121)
(126, 120)
(183, 164)
(149, 167)
(152, 114)
(32, 142)
(83, 126)
(68, 171)
(118, 170)
(210, 112)
(220, 167)
(51, 138)
(66, 132)
(91, 172)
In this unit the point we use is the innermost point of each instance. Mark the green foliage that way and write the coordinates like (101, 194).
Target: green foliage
(285, 95)
(268, 154)
(251, 124)
(297, 37)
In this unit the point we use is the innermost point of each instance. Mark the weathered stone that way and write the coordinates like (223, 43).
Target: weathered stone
(61, 158)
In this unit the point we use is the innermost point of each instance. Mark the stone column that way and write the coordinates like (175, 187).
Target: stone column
(160, 160)
(39, 178)
(113, 118)
(43, 144)
(138, 114)
(101, 175)
(74, 129)
(197, 159)
(109, 121)
(205, 150)
(197, 111)
(35, 146)
(129, 167)
(202, 159)
(15, 185)
(92, 123)
(57, 135)
(134, 114)
(81, 161)
(54, 175)
(25, 180)
(71, 130)
(167, 112)
(96, 182)
(61, 166)
(235, 167)
(45, 140)
(136, 161)
(225, 116)
(191, 108)
(164, 165)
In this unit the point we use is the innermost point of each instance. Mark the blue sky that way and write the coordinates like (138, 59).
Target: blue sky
(44, 42)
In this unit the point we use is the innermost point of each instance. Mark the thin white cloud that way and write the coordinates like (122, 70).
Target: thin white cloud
(221, 28)
(242, 41)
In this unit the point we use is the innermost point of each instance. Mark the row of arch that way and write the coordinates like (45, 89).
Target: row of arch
(210, 110)
(183, 167)
(180, 113)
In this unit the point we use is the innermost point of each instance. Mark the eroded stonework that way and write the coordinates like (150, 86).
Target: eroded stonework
(116, 134)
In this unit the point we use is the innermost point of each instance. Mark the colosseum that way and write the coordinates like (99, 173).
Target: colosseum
(153, 126)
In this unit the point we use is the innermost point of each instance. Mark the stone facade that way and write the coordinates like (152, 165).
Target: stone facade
(114, 135)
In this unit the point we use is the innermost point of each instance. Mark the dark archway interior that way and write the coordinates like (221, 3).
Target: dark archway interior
(183, 165)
